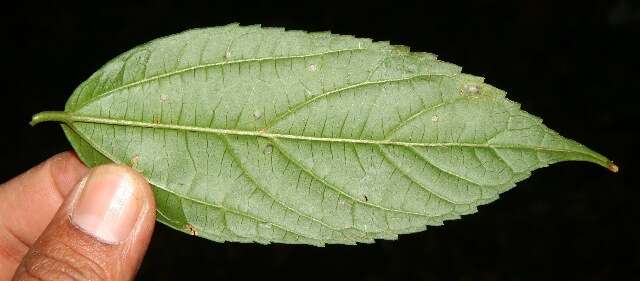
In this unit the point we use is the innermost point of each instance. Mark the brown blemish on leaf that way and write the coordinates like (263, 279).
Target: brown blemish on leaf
(156, 120)
(164, 98)
(191, 229)
(613, 167)
(366, 199)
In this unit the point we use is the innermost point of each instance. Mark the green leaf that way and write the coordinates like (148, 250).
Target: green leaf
(263, 135)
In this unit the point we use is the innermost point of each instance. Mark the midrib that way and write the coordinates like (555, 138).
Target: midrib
(73, 118)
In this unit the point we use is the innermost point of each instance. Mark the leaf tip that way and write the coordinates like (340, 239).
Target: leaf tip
(613, 167)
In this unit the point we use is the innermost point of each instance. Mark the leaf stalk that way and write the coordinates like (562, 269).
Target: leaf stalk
(45, 116)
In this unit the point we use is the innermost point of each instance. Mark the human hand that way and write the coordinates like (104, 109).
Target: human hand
(62, 221)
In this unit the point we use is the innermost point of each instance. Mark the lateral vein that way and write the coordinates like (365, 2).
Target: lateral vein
(208, 65)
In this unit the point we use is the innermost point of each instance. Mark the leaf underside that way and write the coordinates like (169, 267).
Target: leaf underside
(254, 134)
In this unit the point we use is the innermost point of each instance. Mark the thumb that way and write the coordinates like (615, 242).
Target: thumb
(100, 232)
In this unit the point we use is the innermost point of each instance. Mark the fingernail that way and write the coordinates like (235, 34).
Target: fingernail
(109, 204)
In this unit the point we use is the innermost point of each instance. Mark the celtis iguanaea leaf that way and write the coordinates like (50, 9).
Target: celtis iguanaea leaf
(255, 134)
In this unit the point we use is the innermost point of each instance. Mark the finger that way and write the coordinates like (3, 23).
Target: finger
(29, 202)
(101, 231)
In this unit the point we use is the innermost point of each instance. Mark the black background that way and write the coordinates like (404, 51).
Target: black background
(574, 64)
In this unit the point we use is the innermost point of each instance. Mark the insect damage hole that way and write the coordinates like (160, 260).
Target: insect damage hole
(435, 118)
(312, 67)
(163, 98)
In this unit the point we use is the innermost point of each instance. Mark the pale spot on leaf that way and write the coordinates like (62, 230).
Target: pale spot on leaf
(268, 149)
(266, 225)
(135, 160)
(471, 89)
(257, 114)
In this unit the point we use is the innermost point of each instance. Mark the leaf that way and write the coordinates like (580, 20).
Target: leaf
(260, 134)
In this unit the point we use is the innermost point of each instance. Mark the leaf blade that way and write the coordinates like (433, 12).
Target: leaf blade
(266, 135)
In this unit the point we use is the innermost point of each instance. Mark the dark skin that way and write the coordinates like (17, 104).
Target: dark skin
(39, 239)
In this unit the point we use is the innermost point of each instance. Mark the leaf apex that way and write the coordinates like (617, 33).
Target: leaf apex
(613, 167)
